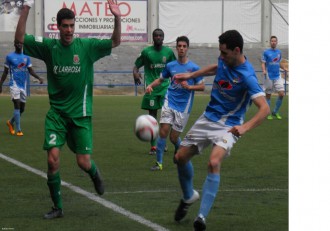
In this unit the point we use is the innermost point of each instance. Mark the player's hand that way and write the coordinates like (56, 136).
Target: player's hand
(185, 85)
(28, 3)
(149, 89)
(137, 78)
(181, 76)
(237, 131)
(41, 80)
(114, 8)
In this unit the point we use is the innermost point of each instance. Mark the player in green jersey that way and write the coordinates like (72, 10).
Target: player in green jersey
(153, 58)
(69, 63)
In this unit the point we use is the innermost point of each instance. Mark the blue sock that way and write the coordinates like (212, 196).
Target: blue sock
(278, 104)
(186, 173)
(12, 120)
(17, 117)
(177, 145)
(161, 142)
(210, 189)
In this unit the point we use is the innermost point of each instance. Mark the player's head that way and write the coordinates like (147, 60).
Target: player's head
(65, 23)
(231, 47)
(158, 37)
(18, 46)
(182, 45)
(273, 41)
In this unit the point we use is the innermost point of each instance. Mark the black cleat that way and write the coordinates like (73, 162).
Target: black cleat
(199, 224)
(98, 183)
(182, 210)
(54, 213)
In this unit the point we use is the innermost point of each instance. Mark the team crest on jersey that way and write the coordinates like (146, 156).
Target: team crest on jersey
(164, 59)
(236, 79)
(76, 59)
(225, 85)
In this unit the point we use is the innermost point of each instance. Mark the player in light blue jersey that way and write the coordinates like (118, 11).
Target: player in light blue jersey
(271, 64)
(234, 87)
(18, 66)
(178, 99)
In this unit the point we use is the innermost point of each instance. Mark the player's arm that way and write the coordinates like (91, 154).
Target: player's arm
(205, 71)
(116, 34)
(21, 25)
(155, 83)
(137, 75)
(31, 71)
(263, 111)
(197, 87)
(263, 67)
(3, 77)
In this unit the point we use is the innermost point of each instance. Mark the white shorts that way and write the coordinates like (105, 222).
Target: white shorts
(18, 93)
(178, 120)
(273, 85)
(205, 132)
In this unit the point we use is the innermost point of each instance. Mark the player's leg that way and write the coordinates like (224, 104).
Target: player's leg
(268, 88)
(279, 87)
(223, 143)
(17, 116)
(54, 183)
(55, 130)
(80, 141)
(185, 175)
(161, 142)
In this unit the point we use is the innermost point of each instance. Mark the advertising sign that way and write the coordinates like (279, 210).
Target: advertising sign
(94, 19)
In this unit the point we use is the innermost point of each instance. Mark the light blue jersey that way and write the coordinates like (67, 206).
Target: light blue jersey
(232, 91)
(179, 98)
(18, 68)
(272, 59)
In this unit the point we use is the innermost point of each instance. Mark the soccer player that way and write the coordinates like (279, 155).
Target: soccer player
(18, 66)
(271, 64)
(69, 64)
(222, 123)
(153, 58)
(178, 99)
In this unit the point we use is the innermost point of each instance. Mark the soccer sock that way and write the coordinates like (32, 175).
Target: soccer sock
(210, 189)
(153, 143)
(12, 120)
(161, 142)
(177, 145)
(17, 118)
(92, 171)
(186, 173)
(278, 104)
(54, 185)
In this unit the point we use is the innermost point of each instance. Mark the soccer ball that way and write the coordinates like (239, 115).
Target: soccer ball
(146, 128)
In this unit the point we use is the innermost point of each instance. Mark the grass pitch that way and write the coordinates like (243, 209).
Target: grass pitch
(253, 189)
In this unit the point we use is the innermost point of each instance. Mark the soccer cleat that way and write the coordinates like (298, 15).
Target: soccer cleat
(277, 115)
(269, 117)
(19, 133)
(152, 150)
(182, 210)
(199, 224)
(157, 167)
(98, 183)
(11, 127)
(54, 213)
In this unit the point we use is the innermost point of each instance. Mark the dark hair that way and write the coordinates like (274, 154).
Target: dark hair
(232, 39)
(273, 36)
(157, 30)
(182, 39)
(64, 13)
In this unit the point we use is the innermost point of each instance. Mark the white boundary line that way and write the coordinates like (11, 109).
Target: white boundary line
(90, 196)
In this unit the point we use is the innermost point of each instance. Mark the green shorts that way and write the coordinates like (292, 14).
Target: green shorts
(152, 102)
(77, 132)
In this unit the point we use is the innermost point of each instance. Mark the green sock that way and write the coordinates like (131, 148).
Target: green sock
(92, 170)
(153, 143)
(54, 185)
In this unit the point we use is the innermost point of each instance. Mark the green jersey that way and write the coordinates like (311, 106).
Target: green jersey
(70, 71)
(154, 62)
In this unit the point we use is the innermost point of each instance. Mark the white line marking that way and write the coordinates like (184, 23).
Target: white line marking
(90, 196)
